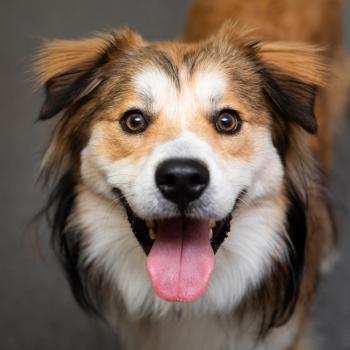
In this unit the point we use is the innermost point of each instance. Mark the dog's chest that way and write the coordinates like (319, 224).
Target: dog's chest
(204, 334)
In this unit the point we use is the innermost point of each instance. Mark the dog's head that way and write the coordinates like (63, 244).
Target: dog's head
(186, 143)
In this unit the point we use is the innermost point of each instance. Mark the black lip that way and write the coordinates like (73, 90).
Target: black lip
(138, 226)
(141, 231)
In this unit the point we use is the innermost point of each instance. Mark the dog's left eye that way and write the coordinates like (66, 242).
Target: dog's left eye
(134, 122)
(227, 122)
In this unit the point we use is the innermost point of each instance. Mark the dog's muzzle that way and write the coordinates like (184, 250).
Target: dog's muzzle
(180, 248)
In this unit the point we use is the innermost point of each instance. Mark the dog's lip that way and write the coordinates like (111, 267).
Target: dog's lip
(145, 230)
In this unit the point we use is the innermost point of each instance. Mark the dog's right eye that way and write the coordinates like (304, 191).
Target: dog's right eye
(227, 122)
(134, 122)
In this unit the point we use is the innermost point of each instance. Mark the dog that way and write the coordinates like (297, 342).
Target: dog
(189, 179)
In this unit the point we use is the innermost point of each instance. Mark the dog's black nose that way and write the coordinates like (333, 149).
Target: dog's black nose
(182, 180)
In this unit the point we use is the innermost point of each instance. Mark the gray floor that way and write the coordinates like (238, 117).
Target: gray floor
(36, 309)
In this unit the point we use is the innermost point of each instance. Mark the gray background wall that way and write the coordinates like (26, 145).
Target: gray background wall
(36, 308)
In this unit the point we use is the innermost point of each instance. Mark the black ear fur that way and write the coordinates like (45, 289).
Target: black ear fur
(65, 89)
(290, 98)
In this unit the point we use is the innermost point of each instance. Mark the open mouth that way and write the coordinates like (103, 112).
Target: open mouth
(180, 251)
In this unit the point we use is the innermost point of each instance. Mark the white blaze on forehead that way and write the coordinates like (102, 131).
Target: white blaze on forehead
(209, 87)
(203, 90)
(155, 85)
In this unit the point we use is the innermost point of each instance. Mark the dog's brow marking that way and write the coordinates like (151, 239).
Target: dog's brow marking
(155, 86)
(164, 62)
(209, 88)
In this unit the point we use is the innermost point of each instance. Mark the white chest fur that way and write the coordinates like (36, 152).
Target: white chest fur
(207, 333)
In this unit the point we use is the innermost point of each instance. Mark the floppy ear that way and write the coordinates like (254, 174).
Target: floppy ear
(292, 73)
(70, 69)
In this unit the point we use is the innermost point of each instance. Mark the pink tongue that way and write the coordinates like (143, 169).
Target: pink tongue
(181, 260)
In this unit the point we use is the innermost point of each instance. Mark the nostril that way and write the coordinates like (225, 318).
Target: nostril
(196, 179)
(169, 180)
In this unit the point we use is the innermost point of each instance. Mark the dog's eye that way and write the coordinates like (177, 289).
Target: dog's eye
(134, 122)
(227, 122)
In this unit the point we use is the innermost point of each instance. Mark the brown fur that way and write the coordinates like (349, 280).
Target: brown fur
(59, 56)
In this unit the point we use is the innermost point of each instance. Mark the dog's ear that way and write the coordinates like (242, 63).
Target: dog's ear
(71, 69)
(291, 74)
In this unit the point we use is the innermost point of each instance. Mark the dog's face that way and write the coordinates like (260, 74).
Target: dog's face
(180, 140)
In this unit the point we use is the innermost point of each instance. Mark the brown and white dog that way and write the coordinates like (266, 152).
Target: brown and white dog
(189, 210)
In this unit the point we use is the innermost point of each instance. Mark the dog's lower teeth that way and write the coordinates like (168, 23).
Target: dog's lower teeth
(211, 223)
(210, 233)
(152, 234)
